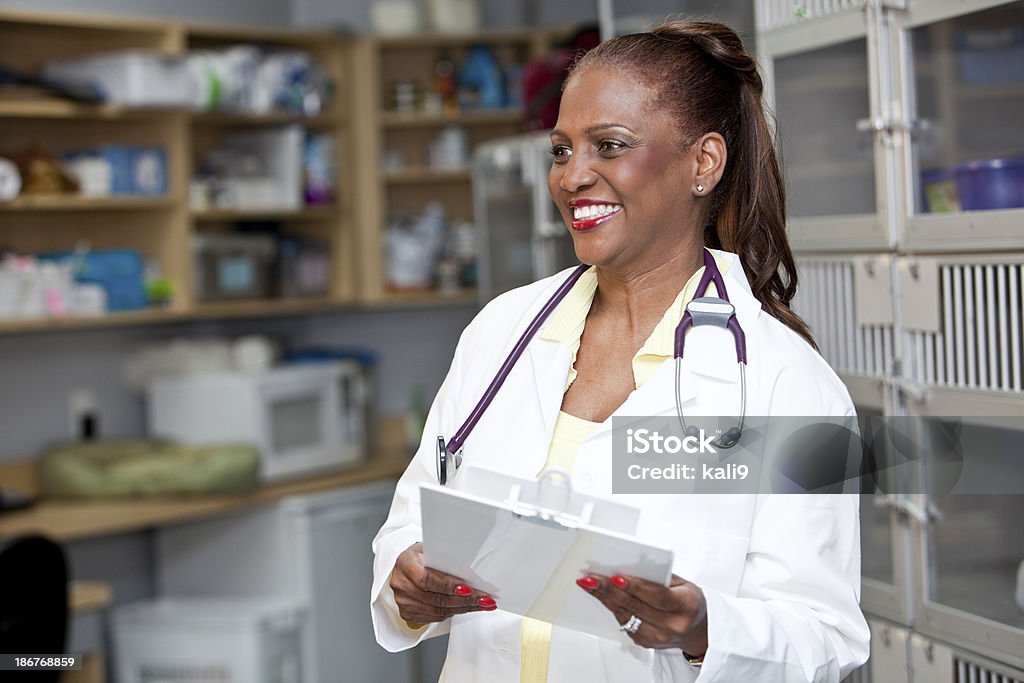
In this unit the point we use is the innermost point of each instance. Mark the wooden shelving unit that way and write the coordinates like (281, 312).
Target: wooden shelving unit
(161, 228)
(408, 134)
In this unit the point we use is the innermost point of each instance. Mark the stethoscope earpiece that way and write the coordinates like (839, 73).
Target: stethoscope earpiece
(730, 438)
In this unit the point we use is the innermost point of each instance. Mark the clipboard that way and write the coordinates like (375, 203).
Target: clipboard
(526, 541)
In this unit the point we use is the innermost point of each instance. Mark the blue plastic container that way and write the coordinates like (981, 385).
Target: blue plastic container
(990, 184)
(119, 271)
(481, 83)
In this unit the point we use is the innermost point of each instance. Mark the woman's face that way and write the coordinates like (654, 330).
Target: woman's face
(620, 179)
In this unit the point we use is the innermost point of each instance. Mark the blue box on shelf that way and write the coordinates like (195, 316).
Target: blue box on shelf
(134, 169)
(119, 271)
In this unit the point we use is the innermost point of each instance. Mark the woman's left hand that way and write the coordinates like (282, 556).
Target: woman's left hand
(670, 617)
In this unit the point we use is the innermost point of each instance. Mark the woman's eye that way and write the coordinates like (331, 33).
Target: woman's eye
(560, 153)
(609, 147)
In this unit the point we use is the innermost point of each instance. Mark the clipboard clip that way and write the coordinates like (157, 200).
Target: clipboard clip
(550, 502)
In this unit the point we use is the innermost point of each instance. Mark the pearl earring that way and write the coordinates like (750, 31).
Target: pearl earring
(700, 188)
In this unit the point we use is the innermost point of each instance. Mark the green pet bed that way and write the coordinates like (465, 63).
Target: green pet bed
(147, 468)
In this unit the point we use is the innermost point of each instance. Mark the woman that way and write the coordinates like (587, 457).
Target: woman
(661, 149)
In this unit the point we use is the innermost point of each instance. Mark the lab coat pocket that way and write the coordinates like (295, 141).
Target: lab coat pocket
(711, 559)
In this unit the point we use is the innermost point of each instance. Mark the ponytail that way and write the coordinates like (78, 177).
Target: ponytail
(711, 82)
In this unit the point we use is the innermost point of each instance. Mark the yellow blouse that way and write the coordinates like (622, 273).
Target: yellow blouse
(566, 327)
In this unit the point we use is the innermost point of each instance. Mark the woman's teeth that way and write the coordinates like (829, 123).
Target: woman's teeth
(592, 211)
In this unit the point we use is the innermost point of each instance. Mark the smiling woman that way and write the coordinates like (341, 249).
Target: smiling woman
(665, 174)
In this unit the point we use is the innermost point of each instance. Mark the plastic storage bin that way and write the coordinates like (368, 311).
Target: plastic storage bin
(232, 266)
(990, 184)
(201, 640)
(133, 77)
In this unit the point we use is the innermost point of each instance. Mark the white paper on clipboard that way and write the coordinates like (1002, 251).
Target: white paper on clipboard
(525, 542)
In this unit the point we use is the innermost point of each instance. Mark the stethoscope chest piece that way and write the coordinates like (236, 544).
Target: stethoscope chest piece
(447, 463)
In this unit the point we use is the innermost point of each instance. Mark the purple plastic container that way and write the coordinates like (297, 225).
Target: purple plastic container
(990, 184)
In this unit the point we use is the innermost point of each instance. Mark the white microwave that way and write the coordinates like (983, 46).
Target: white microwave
(303, 418)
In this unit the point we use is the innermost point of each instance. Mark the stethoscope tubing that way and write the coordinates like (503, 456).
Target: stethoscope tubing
(711, 274)
(456, 442)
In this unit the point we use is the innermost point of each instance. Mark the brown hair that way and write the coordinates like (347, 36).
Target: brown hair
(709, 80)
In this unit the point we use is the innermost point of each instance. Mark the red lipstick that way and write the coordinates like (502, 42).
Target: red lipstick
(591, 222)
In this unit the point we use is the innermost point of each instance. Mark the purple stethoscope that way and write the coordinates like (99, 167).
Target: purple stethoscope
(702, 310)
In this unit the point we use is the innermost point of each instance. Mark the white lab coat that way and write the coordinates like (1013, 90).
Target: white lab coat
(781, 574)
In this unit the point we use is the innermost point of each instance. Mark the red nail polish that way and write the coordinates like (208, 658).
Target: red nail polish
(620, 581)
(487, 603)
(463, 590)
(587, 583)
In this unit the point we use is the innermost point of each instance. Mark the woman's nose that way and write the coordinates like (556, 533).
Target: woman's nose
(576, 175)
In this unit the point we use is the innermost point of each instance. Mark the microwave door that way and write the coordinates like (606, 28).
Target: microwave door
(300, 423)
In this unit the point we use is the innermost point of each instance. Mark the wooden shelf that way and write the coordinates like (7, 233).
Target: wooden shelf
(482, 117)
(54, 108)
(66, 520)
(252, 308)
(78, 203)
(269, 119)
(311, 213)
(428, 175)
(115, 319)
(263, 307)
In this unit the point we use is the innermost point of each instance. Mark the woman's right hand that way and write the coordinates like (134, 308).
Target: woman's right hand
(426, 596)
